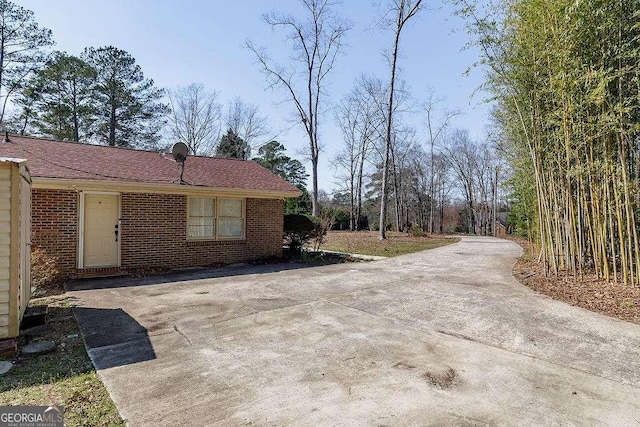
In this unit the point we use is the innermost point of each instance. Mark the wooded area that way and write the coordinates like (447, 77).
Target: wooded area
(559, 163)
(565, 75)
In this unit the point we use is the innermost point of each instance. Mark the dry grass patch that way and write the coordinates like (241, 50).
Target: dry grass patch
(367, 243)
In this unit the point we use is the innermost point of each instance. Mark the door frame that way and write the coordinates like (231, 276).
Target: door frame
(81, 213)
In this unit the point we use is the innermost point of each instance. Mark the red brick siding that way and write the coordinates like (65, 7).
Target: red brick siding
(265, 220)
(153, 231)
(54, 222)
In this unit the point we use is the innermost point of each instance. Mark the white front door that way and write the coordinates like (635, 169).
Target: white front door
(101, 233)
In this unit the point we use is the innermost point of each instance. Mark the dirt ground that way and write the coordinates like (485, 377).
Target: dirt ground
(609, 298)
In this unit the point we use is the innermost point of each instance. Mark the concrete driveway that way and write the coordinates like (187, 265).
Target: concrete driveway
(446, 336)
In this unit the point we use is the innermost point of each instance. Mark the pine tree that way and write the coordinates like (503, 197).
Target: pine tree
(130, 111)
(272, 156)
(22, 121)
(232, 146)
(65, 106)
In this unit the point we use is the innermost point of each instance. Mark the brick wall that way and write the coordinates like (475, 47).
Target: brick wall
(153, 231)
(54, 222)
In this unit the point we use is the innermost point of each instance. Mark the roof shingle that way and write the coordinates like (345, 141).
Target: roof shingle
(72, 160)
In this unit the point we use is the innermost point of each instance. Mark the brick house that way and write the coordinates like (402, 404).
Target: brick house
(106, 210)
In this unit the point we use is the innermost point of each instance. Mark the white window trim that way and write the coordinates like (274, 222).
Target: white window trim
(80, 253)
(217, 217)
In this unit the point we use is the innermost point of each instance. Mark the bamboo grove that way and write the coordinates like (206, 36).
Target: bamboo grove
(566, 77)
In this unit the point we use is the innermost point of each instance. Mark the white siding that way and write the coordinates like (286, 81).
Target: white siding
(5, 250)
(24, 264)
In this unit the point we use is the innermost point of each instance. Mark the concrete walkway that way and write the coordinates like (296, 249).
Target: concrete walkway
(445, 336)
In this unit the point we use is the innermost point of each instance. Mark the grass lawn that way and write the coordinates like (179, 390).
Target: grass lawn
(64, 377)
(367, 243)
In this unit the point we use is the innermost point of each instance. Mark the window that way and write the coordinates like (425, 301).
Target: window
(202, 218)
(210, 218)
(230, 219)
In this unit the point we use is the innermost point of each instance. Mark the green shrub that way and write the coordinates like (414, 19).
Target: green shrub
(299, 230)
(416, 231)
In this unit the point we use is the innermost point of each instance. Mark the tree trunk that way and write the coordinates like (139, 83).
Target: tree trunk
(314, 198)
(495, 205)
(352, 201)
(387, 149)
(441, 205)
(2, 67)
(431, 187)
(359, 190)
(313, 139)
(384, 195)
(76, 132)
(112, 125)
(396, 191)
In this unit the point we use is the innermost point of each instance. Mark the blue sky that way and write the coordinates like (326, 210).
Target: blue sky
(177, 43)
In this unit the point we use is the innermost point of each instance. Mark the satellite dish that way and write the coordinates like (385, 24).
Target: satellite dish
(180, 151)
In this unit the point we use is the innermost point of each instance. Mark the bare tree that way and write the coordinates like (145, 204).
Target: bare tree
(402, 149)
(435, 126)
(443, 185)
(245, 121)
(195, 117)
(360, 121)
(349, 117)
(402, 11)
(419, 186)
(315, 42)
(489, 177)
(462, 155)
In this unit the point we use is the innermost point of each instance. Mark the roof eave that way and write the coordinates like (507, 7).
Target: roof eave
(158, 188)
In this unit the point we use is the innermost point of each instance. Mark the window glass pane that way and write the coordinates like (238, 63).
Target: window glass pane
(201, 227)
(201, 221)
(231, 208)
(199, 207)
(230, 227)
(209, 207)
(195, 207)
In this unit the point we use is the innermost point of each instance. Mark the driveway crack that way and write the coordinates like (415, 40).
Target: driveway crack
(183, 335)
(264, 310)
